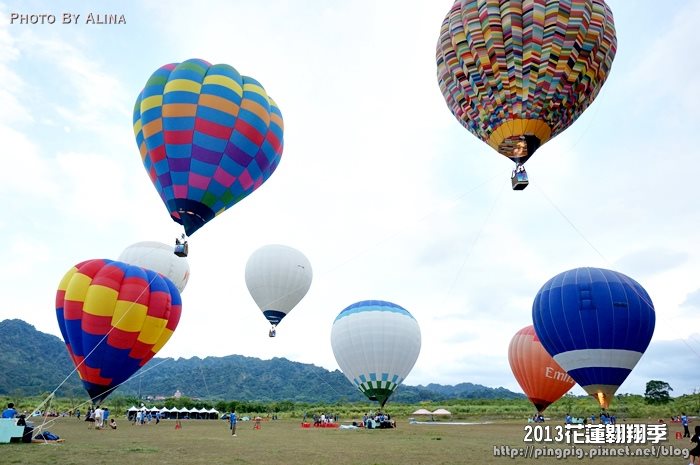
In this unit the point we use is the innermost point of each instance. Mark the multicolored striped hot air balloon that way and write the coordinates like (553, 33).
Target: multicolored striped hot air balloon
(208, 138)
(517, 73)
(596, 324)
(542, 379)
(114, 318)
(376, 344)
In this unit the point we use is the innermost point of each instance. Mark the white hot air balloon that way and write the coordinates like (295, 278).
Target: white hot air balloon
(160, 258)
(376, 344)
(278, 277)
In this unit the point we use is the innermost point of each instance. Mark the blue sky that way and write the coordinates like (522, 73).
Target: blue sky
(379, 186)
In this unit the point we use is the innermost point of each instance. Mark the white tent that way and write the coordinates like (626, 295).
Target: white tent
(133, 409)
(422, 411)
(442, 411)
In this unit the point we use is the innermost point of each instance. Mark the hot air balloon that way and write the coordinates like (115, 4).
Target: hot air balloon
(540, 377)
(114, 318)
(278, 277)
(516, 74)
(376, 344)
(158, 257)
(208, 137)
(596, 323)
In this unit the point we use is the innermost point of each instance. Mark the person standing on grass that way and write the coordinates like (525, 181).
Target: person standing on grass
(232, 422)
(98, 417)
(684, 422)
(695, 451)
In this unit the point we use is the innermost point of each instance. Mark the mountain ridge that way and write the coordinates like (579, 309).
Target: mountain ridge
(232, 377)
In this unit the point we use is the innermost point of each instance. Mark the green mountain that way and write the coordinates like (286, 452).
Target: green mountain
(33, 363)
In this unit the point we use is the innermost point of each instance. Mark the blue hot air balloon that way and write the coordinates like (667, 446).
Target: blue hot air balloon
(596, 323)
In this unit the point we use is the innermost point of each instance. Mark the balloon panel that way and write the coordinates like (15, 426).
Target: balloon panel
(596, 323)
(114, 317)
(376, 344)
(208, 138)
(539, 375)
(516, 74)
(277, 277)
(160, 258)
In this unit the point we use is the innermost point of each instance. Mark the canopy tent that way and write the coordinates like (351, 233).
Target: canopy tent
(178, 413)
(422, 411)
(441, 411)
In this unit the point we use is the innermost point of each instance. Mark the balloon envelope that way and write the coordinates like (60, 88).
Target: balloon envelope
(376, 344)
(277, 277)
(516, 74)
(596, 323)
(114, 318)
(208, 137)
(160, 258)
(540, 376)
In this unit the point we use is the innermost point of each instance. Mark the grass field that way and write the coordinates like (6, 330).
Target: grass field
(284, 442)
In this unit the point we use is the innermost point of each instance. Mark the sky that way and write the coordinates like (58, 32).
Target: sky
(379, 186)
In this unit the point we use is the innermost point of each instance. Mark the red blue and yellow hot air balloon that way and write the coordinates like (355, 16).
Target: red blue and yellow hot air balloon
(114, 318)
(208, 137)
(517, 73)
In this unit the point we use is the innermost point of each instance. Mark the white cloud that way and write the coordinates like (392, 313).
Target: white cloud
(379, 186)
(693, 299)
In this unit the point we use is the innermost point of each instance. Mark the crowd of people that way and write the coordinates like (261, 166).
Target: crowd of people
(144, 416)
(378, 420)
(97, 418)
(323, 419)
(604, 419)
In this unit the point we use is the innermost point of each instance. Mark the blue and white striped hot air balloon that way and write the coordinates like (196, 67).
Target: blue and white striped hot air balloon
(376, 344)
(596, 323)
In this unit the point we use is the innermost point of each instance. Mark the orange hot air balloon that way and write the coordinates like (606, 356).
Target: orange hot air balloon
(541, 378)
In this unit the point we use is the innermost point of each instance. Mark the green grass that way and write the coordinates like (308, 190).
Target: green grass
(283, 442)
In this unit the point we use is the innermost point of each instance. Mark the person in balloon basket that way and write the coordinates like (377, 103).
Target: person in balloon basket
(232, 422)
(695, 451)
(684, 422)
(10, 411)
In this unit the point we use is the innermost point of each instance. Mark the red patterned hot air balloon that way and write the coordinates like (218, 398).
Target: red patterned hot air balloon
(541, 378)
(114, 318)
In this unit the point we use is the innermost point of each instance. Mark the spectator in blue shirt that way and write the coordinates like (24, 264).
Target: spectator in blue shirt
(232, 422)
(10, 411)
